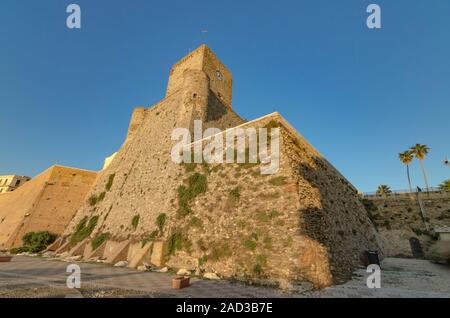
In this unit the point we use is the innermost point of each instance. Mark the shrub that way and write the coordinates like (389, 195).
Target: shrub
(82, 230)
(135, 221)
(18, 250)
(98, 240)
(439, 252)
(35, 242)
(110, 182)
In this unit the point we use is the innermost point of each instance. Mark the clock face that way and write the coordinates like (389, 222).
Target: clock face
(219, 75)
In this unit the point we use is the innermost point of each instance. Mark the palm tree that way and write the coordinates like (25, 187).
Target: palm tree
(445, 185)
(406, 157)
(420, 152)
(383, 190)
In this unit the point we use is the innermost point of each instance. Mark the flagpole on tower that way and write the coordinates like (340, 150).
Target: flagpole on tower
(204, 35)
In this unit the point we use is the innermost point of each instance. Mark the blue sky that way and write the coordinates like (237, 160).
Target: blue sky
(359, 96)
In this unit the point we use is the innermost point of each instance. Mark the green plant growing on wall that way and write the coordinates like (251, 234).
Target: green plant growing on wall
(149, 238)
(92, 200)
(110, 182)
(160, 222)
(196, 185)
(196, 222)
(178, 241)
(261, 259)
(278, 181)
(257, 269)
(235, 195)
(219, 251)
(135, 221)
(83, 229)
(98, 240)
(101, 196)
(202, 260)
(249, 244)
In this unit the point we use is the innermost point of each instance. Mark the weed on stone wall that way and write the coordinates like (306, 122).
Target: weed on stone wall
(149, 238)
(196, 185)
(202, 260)
(219, 251)
(94, 199)
(110, 182)
(235, 195)
(249, 244)
(261, 262)
(160, 222)
(83, 229)
(278, 181)
(177, 241)
(196, 222)
(99, 239)
(135, 221)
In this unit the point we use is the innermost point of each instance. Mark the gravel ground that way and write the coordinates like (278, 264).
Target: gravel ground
(37, 277)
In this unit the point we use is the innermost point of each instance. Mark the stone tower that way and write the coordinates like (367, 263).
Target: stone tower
(303, 223)
(219, 78)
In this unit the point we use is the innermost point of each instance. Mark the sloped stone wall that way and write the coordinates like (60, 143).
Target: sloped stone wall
(398, 219)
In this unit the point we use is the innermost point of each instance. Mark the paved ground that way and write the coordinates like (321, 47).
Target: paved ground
(42, 277)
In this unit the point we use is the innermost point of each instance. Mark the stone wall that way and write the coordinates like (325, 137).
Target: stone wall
(304, 223)
(398, 218)
(203, 59)
(46, 203)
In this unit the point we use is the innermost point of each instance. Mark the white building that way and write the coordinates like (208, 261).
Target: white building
(12, 182)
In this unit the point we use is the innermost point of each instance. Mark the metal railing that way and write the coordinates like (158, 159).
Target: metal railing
(402, 192)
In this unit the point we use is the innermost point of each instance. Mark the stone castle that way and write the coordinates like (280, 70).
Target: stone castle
(304, 223)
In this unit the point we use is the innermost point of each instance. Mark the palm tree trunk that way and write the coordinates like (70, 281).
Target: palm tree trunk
(409, 178)
(424, 174)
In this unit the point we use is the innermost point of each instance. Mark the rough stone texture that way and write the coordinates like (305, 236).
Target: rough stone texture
(203, 59)
(303, 223)
(398, 218)
(46, 203)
